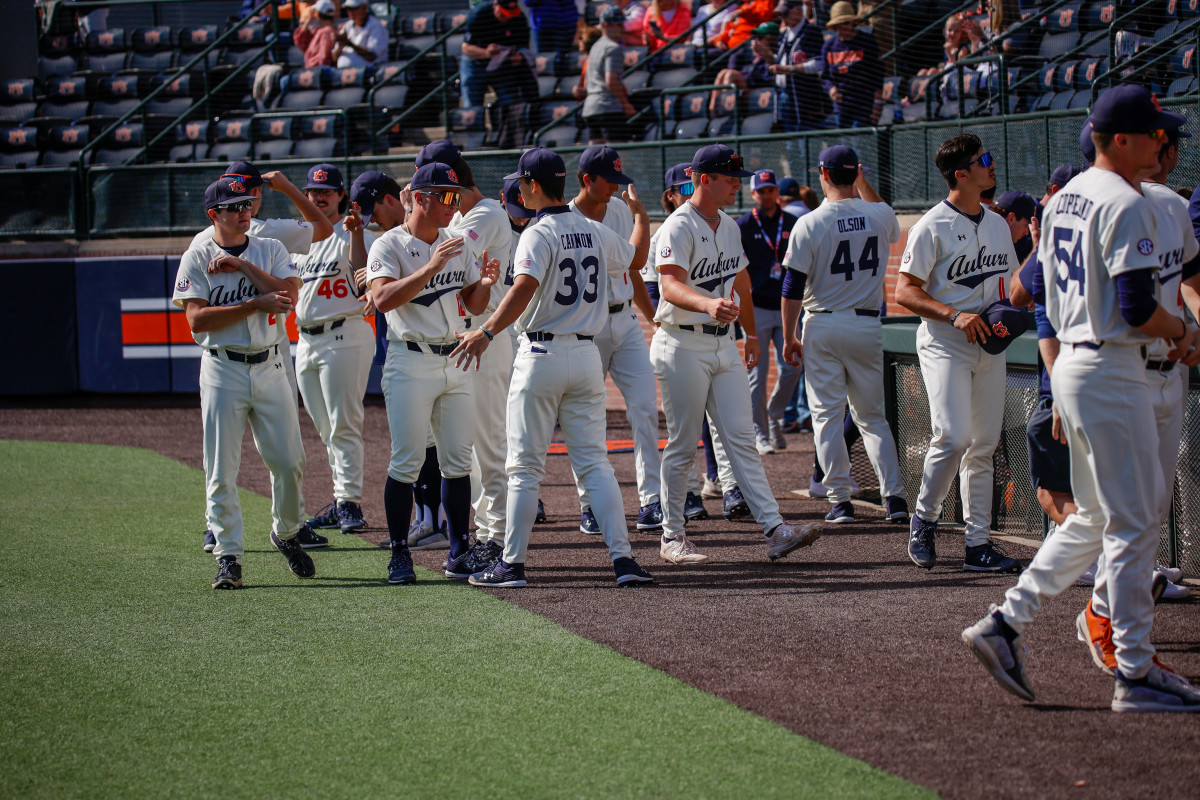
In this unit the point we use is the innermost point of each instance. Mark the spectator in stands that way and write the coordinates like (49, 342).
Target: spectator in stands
(588, 36)
(495, 35)
(316, 36)
(955, 45)
(750, 67)
(607, 105)
(714, 23)
(853, 70)
(799, 100)
(664, 20)
(635, 21)
(1004, 15)
(554, 23)
(362, 40)
(749, 16)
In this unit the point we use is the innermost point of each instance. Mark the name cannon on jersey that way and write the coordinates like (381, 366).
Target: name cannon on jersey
(440, 284)
(715, 271)
(851, 224)
(971, 273)
(1074, 204)
(574, 241)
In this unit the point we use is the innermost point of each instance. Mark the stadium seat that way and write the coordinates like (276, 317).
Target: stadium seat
(1042, 101)
(18, 139)
(1166, 31)
(191, 39)
(594, 9)
(1061, 101)
(63, 145)
(636, 81)
(390, 97)
(321, 148)
(303, 88)
(55, 66)
(318, 126)
(1064, 76)
(760, 101)
(466, 128)
(18, 101)
(248, 41)
(559, 136)
(390, 72)
(1054, 45)
(235, 129)
(672, 78)
(678, 56)
(448, 20)
(105, 50)
(1089, 70)
(545, 64)
(548, 86)
(558, 111)
(721, 126)
(19, 160)
(228, 151)
(1183, 85)
(273, 150)
(690, 106)
(1187, 9)
(1081, 99)
(267, 129)
(1183, 60)
(758, 124)
(346, 88)
(691, 128)
(570, 63)
(633, 56)
(1046, 81)
(1098, 15)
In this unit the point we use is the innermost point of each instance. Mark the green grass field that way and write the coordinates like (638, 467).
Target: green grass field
(123, 674)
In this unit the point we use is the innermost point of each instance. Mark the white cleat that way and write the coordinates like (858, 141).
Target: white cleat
(680, 551)
(816, 488)
(786, 538)
(1174, 591)
(1174, 574)
(765, 448)
(1088, 578)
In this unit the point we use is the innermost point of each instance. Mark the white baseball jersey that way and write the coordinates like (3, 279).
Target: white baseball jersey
(569, 255)
(843, 249)
(437, 312)
(296, 234)
(1176, 245)
(486, 228)
(712, 259)
(328, 292)
(650, 270)
(1095, 228)
(618, 217)
(963, 264)
(257, 331)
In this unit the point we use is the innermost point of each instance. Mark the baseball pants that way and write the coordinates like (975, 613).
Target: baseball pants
(1167, 397)
(844, 356)
(332, 369)
(422, 390)
(769, 325)
(232, 394)
(698, 372)
(965, 386)
(625, 357)
(489, 481)
(1104, 401)
(559, 380)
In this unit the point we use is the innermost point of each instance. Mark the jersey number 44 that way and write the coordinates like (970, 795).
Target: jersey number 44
(843, 263)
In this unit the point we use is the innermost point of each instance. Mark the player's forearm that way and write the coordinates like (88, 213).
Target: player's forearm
(866, 191)
(513, 304)
(792, 309)
(1018, 295)
(741, 285)
(641, 295)
(266, 283)
(918, 301)
(1163, 324)
(640, 239)
(322, 227)
(391, 294)
(1048, 348)
(680, 295)
(214, 318)
(475, 297)
(358, 251)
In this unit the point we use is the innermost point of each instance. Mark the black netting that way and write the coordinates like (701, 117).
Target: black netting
(1187, 494)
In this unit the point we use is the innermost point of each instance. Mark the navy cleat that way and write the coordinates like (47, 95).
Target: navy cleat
(464, 565)
(229, 573)
(650, 517)
(989, 557)
(326, 518)
(922, 545)
(350, 518)
(210, 542)
(693, 508)
(998, 648)
(630, 573)
(734, 506)
(841, 513)
(486, 554)
(540, 519)
(897, 509)
(500, 576)
(588, 523)
(298, 561)
(400, 567)
(310, 540)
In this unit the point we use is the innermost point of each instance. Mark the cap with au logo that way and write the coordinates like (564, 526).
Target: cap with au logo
(325, 176)
(762, 179)
(604, 162)
(225, 190)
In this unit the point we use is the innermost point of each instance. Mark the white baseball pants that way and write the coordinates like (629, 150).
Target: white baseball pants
(965, 386)
(770, 333)
(489, 481)
(422, 391)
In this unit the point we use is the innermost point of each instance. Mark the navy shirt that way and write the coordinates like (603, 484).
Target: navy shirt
(855, 69)
(483, 29)
(759, 244)
(805, 97)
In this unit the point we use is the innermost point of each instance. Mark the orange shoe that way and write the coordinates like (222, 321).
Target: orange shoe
(1096, 632)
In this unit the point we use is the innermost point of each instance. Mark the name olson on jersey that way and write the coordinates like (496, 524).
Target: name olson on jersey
(851, 224)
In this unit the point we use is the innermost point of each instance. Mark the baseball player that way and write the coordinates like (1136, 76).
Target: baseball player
(622, 345)
(234, 308)
(701, 265)
(957, 263)
(337, 346)
(560, 295)
(836, 270)
(423, 280)
(1098, 249)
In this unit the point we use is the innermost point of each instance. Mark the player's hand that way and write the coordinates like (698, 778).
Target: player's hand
(444, 252)
(489, 271)
(406, 197)
(723, 310)
(750, 352)
(1035, 231)
(1056, 425)
(273, 303)
(352, 222)
(630, 196)
(368, 301)
(360, 278)
(1186, 349)
(493, 49)
(793, 352)
(224, 263)
(973, 326)
(470, 346)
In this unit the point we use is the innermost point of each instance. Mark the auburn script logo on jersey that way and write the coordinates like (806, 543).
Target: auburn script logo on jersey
(972, 273)
(231, 295)
(440, 284)
(707, 275)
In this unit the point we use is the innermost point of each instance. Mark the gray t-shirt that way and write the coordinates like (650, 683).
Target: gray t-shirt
(604, 57)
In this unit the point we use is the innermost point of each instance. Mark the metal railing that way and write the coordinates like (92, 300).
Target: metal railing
(443, 87)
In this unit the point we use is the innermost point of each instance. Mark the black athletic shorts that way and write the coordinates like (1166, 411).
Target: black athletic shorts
(609, 127)
(1049, 459)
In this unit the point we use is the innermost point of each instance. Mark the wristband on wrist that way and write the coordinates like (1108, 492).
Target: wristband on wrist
(748, 336)
(953, 317)
(488, 333)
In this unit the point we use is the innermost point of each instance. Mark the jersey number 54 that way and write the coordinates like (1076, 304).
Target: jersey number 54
(1069, 257)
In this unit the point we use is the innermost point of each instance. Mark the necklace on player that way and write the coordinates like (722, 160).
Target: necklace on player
(704, 216)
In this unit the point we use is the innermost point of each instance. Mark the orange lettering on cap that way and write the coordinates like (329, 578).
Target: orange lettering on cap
(320, 175)
(237, 186)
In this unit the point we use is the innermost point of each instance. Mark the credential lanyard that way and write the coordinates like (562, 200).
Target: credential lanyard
(776, 269)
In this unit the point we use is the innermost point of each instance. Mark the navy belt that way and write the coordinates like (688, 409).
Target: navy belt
(1160, 366)
(543, 336)
(313, 330)
(711, 330)
(616, 308)
(862, 312)
(433, 349)
(1088, 345)
(248, 358)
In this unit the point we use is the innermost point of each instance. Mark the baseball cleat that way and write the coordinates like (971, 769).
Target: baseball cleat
(680, 551)
(486, 554)
(775, 434)
(229, 573)
(326, 518)
(734, 505)
(922, 542)
(765, 448)
(350, 517)
(309, 539)
(588, 523)
(462, 566)
(630, 573)
(1173, 591)
(500, 576)
(1160, 689)
(1088, 578)
(426, 537)
(1095, 631)
(998, 647)
(1174, 575)
(816, 488)
(841, 514)
(210, 542)
(298, 561)
(785, 538)
(988, 557)
(540, 519)
(897, 509)
(650, 517)
(693, 509)
(400, 567)
(711, 490)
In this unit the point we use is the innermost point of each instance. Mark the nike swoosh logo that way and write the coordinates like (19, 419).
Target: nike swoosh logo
(1170, 276)
(708, 286)
(429, 299)
(971, 281)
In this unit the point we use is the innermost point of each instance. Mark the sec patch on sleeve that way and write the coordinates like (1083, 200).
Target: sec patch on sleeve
(1145, 247)
(183, 284)
(665, 252)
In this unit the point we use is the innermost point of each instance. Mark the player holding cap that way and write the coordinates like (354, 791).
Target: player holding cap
(835, 269)
(234, 309)
(1098, 251)
(622, 345)
(701, 264)
(336, 347)
(560, 296)
(421, 278)
(957, 263)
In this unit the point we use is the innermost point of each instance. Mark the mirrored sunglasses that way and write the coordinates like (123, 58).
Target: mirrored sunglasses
(687, 189)
(446, 198)
(984, 161)
(236, 207)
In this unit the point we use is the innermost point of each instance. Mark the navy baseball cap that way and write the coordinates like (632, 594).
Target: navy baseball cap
(677, 175)
(1064, 173)
(435, 174)
(1005, 323)
(718, 159)
(442, 150)
(840, 156)
(539, 164)
(513, 203)
(762, 179)
(1086, 145)
(325, 176)
(789, 186)
(1129, 108)
(244, 171)
(603, 161)
(1018, 203)
(370, 187)
(226, 189)
(612, 16)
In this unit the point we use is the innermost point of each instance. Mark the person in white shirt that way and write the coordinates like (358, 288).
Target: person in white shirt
(362, 40)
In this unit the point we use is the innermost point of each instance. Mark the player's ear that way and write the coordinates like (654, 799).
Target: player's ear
(212, 215)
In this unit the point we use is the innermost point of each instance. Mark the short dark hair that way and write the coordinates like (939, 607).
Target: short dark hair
(842, 176)
(1101, 140)
(1001, 210)
(553, 188)
(955, 154)
(466, 178)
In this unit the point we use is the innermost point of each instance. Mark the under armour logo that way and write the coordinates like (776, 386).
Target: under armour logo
(337, 338)
(278, 365)
(962, 238)
(414, 253)
(704, 238)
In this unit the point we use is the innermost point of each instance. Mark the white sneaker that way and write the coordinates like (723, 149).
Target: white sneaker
(425, 537)
(711, 490)
(1174, 574)
(765, 448)
(1174, 591)
(816, 488)
(786, 538)
(1159, 690)
(680, 551)
(775, 434)
(1088, 578)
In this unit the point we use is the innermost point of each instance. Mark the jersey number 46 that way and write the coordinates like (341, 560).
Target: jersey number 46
(843, 264)
(330, 289)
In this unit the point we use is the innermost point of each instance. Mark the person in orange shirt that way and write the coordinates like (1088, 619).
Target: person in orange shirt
(749, 16)
(665, 20)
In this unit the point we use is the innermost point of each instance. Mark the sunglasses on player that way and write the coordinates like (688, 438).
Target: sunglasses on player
(446, 197)
(984, 161)
(686, 189)
(236, 207)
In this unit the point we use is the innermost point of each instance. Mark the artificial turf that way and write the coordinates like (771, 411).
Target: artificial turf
(123, 674)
